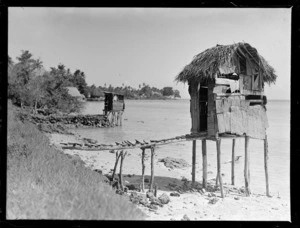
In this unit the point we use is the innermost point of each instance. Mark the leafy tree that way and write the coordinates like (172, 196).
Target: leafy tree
(62, 76)
(95, 92)
(19, 75)
(78, 81)
(26, 67)
(167, 91)
(146, 90)
(177, 93)
(56, 96)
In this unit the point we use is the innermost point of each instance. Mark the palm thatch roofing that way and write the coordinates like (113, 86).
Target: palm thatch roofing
(207, 64)
(73, 91)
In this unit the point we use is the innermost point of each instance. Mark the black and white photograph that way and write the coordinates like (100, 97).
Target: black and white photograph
(165, 114)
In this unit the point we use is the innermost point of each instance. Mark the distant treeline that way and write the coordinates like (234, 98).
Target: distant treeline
(143, 92)
(30, 85)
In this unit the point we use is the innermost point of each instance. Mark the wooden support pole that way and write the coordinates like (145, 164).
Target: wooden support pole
(116, 163)
(121, 114)
(217, 180)
(204, 164)
(232, 161)
(117, 118)
(155, 190)
(194, 163)
(143, 169)
(219, 166)
(121, 167)
(266, 157)
(246, 169)
(152, 169)
(110, 118)
(114, 119)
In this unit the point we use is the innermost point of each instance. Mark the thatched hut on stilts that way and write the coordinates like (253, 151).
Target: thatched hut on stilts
(226, 86)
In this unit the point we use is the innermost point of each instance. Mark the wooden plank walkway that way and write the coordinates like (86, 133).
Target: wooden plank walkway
(141, 144)
(130, 145)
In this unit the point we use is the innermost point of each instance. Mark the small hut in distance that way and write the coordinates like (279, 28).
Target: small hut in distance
(226, 86)
(114, 106)
(74, 92)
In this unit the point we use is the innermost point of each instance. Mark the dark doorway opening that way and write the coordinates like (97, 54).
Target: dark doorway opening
(203, 108)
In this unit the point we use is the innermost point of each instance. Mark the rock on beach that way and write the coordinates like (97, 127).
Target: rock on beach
(164, 198)
(173, 163)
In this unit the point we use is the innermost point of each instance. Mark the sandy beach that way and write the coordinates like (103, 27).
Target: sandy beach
(193, 203)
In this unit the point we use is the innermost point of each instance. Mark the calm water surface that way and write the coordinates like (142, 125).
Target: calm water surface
(161, 119)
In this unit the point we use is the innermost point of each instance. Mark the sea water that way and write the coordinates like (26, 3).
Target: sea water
(160, 119)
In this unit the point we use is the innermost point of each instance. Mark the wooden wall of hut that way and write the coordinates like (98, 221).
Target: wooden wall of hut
(236, 115)
(211, 113)
(194, 106)
(228, 113)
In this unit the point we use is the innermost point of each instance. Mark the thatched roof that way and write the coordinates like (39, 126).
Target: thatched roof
(73, 91)
(226, 58)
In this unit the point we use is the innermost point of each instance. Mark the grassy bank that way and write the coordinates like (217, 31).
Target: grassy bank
(44, 183)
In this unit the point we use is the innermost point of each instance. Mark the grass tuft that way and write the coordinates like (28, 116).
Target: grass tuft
(44, 183)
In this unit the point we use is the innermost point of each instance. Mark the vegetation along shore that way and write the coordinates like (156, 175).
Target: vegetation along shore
(42, 181)
(45, 183)
(45, 91)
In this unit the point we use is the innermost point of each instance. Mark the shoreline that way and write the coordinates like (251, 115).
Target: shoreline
(154, 99)
(191, 204)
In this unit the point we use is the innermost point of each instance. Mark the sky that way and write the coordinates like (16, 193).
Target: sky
(148, 45)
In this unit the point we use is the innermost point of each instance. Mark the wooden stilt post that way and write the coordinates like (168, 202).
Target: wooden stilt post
(111, 119)
(121, 167)
(121, 114)
(117, 118)
(217, 180)
(232, 161)
(155, 190)
(152, 168)
(204, 164)
(143, 169)
(194, 163)
(266, 157)
(217, 177)
(114, 121)
(116, 163)
(219, 166)
(246, 170)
